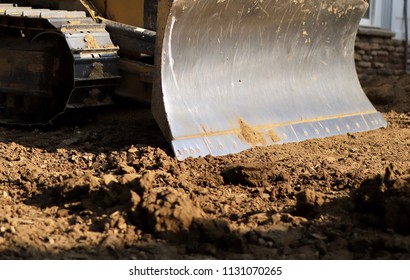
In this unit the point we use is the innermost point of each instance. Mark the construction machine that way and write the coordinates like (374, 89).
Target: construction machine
(222, 76)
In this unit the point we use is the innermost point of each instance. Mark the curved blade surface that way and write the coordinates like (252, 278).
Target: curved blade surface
(244, 73)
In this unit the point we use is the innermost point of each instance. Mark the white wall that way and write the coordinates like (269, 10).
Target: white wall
(397, 25)
(375, 10)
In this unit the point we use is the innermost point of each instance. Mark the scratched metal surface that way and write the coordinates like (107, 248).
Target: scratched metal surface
(238, 74)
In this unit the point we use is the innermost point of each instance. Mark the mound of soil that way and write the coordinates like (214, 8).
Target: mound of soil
(110, 188)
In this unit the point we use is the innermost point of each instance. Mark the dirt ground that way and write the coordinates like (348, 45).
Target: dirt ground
(109, 187)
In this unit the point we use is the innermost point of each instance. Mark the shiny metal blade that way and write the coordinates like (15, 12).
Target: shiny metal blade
(244, 73)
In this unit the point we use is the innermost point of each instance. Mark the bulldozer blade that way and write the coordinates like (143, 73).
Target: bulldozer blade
(245, 73)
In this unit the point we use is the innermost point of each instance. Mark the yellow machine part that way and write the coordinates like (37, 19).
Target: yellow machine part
(125, 11)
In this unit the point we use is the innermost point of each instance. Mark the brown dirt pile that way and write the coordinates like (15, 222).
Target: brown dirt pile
(110, 188)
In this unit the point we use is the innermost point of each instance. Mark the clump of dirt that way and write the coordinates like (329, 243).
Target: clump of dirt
(386, 199)
(252, 175)
(250, 135)
(167, 210)
(76, 187)
(309, 203)
(91, 41)
(273, 136)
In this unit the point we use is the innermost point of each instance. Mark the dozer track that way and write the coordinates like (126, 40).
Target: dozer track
(50, 61)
